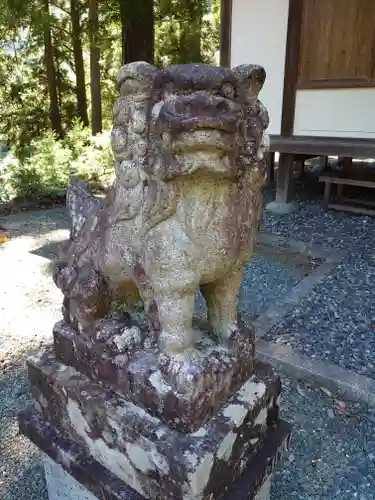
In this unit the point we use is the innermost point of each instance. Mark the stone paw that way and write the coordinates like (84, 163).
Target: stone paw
(241, 340)
(195, 375)
(128, 340)
(185, 374)
(105, 329)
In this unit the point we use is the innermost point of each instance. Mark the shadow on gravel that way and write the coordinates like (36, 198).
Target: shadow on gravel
(49, 251)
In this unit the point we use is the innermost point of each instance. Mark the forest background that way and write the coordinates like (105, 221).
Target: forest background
(58, 61)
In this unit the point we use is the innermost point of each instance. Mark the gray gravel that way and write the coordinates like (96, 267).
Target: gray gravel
(332, 452)
(310, 224)
(335, 321)
(21, 474)
(264, 282)
(29, 306)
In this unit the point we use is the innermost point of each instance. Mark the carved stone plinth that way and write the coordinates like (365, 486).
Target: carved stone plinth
(150, 456)
(135, 372)
(142, 451)
(73, 475)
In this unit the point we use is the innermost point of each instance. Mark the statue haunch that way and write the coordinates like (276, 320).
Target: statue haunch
(183, 212)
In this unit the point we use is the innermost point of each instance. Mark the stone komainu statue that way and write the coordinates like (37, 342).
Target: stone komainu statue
(183, 212)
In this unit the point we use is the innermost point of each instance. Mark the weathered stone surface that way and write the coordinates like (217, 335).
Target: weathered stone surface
(106, 486)
(155, 460)
(62, 486)
(134, 372)
(188, 142)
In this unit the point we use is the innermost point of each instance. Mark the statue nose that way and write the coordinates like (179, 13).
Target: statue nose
(203, 104)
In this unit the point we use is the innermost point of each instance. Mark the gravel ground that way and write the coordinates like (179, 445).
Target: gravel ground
(21, 474)
(310, 224)
(265, 281)
(335, 321)
(332, 452)
(29, 306)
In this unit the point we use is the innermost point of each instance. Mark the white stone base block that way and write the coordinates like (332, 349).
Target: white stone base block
(265, 491)
(61, 485)
(281, 208)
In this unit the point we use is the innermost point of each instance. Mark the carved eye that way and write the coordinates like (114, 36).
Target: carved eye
(227, 90)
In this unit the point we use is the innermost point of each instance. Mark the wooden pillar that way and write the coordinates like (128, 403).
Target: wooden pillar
(300, 163)
(325, 164)
(271, 168)
(347, 165)
(225, 32)
(327, 195)
(285, 188)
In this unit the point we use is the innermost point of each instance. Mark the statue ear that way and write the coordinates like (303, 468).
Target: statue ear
(256, 79)
(138, 70)
(251, 76)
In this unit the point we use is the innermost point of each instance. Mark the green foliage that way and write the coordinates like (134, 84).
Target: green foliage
(95, 163)
(76, 139)
(47, 169)
(185, 31)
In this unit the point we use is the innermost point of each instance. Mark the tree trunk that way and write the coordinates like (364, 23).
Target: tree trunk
(78, 61)
(58, 73)
(137, 19)
(96, 100)
(123, 17)
(190, 32)
(51, 72)
(194, 31)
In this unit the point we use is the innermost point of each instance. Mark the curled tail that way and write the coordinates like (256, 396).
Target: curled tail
(81, 204)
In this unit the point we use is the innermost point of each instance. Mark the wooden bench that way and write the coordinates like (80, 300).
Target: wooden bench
(292, 148)
(355, 205)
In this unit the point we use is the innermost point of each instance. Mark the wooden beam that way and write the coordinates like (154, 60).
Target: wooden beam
(291, 66)
(324, 146)
(225, 31)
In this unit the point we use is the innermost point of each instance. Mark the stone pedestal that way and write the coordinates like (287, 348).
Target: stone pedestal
(71, 474)
(63, 486)
(85, 426)
(281, 208)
